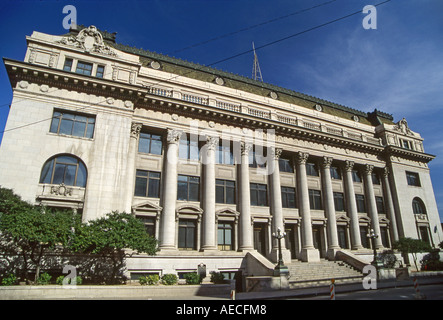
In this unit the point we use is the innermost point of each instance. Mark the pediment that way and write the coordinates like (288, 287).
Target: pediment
(227, 212)
(146, 206)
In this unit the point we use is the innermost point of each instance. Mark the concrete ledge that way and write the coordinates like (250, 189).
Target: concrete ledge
(109, 292)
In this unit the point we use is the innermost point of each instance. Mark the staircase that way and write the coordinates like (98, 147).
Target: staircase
(309, 274)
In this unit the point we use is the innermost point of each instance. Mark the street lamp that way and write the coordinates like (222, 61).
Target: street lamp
(280, 269)
(374, 236)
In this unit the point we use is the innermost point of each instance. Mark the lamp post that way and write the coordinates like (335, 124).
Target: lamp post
(280, 269)
(374, 236)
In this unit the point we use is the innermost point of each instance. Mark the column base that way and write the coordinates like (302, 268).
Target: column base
(286, 255)
(167, 250)
(310, 255)
(332, 252)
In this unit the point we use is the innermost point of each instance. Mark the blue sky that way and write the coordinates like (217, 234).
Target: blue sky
(397, 68)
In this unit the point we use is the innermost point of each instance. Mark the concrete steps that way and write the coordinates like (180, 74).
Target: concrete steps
(308, 274)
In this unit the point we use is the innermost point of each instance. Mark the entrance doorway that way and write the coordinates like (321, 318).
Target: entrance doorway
(316, 235)
(260, 237)
(290, 239)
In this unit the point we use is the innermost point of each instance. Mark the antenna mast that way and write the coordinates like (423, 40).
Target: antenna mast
(256, 72)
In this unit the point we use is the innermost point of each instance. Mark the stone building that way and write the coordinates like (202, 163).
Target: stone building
(213, 163)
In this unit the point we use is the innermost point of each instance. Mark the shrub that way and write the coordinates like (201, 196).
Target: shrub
(44, 279)
(193, 278)
(169, 279)
(388, 259)
(217, 277)
(59, 280)
(149, 280)
(431, 262)
(9, 280)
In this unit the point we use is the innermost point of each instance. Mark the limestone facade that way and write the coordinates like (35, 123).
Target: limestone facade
(213, 163)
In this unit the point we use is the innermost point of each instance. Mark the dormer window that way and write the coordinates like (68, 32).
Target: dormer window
(68, 65)
(84, 68)
(406, 144)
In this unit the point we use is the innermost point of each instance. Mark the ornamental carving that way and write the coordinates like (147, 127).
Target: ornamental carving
(349, 165)
(402, 126)
(276, 152)
(135, 129)
(245, 148)
(326, 163)
(173, 136)
(212, 142)
(368, 169)
(90, 40)
(61, 190)
(302, 157)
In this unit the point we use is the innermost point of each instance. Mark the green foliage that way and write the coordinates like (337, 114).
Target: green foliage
(78, 280)
(193, 278)
(9, 280)
(169, 279)
(431, 261)
(217, 277)
(149, 280)
(44, 279)
(388, 259)
(413, 246)
(440, 245)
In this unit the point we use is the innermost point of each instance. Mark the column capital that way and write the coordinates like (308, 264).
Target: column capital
(212, 142)
(173, 136)
(245, 147)
(368, 169)
(326, 162)
(385, 172)
(276, 152)
(349, 165)
(135, 129)
(302, 157)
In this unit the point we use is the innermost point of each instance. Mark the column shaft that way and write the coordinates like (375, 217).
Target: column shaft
(246, 242)
(130, 165)
(372, 204)
(352, 206)
(390, 204)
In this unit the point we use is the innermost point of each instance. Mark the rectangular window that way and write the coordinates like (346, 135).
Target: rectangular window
(339, 201)
(257, 160)
(311, 169)
(375, 178)
(188, 148)
(364, 237)
(335, 173)
(224, 154)
(285, 165)
(380, 205)
(288, 197)
(225, 236)
(150, 143)
(100, 71)
(413, 179)
(315, 199)
(72, 124)
(356, 177)
(188, 188)
(361, 204)
(68, 65)
(259, 194)
(187, 234)
(149, 224)
(147, 184)
(84, 68)
(406, 144)
(224, 191)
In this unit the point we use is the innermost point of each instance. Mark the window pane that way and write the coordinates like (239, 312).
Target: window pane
(254, 201)
(230, 195)
(47, 172)
(79, 129)
(156, 147)
(140, 187)
(219, 194)
(67, 159)
(154, 188)
(193, 192)
(143, 144)
(70, 175)
(90, 130)
(182, 191)
(59, 173)
(81, 176)
(54, 124)
(66, 126)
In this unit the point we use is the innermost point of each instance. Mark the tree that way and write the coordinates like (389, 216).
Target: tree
(413, 246)
(32, 231)
(111, 235)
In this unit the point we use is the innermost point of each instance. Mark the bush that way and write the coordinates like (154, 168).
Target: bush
(193, 278)
(388, 259)
(149, 280)
(217, 277)
(169, 279)
(9, 280)
(59, 280)
(44, 279)
(431, 261)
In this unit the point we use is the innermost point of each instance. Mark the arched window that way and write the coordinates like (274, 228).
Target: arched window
(418, 207)
(65, 169)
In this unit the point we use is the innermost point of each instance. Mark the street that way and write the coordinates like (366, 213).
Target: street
(431, 292)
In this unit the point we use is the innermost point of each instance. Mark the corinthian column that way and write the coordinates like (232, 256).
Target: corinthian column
(308, 251)
(246, 242)
(372, 204)
(167, 233)
(209, 226)
(276, 204)
(352, 206)
(328, 196)
(389, 204)
(130, 165)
